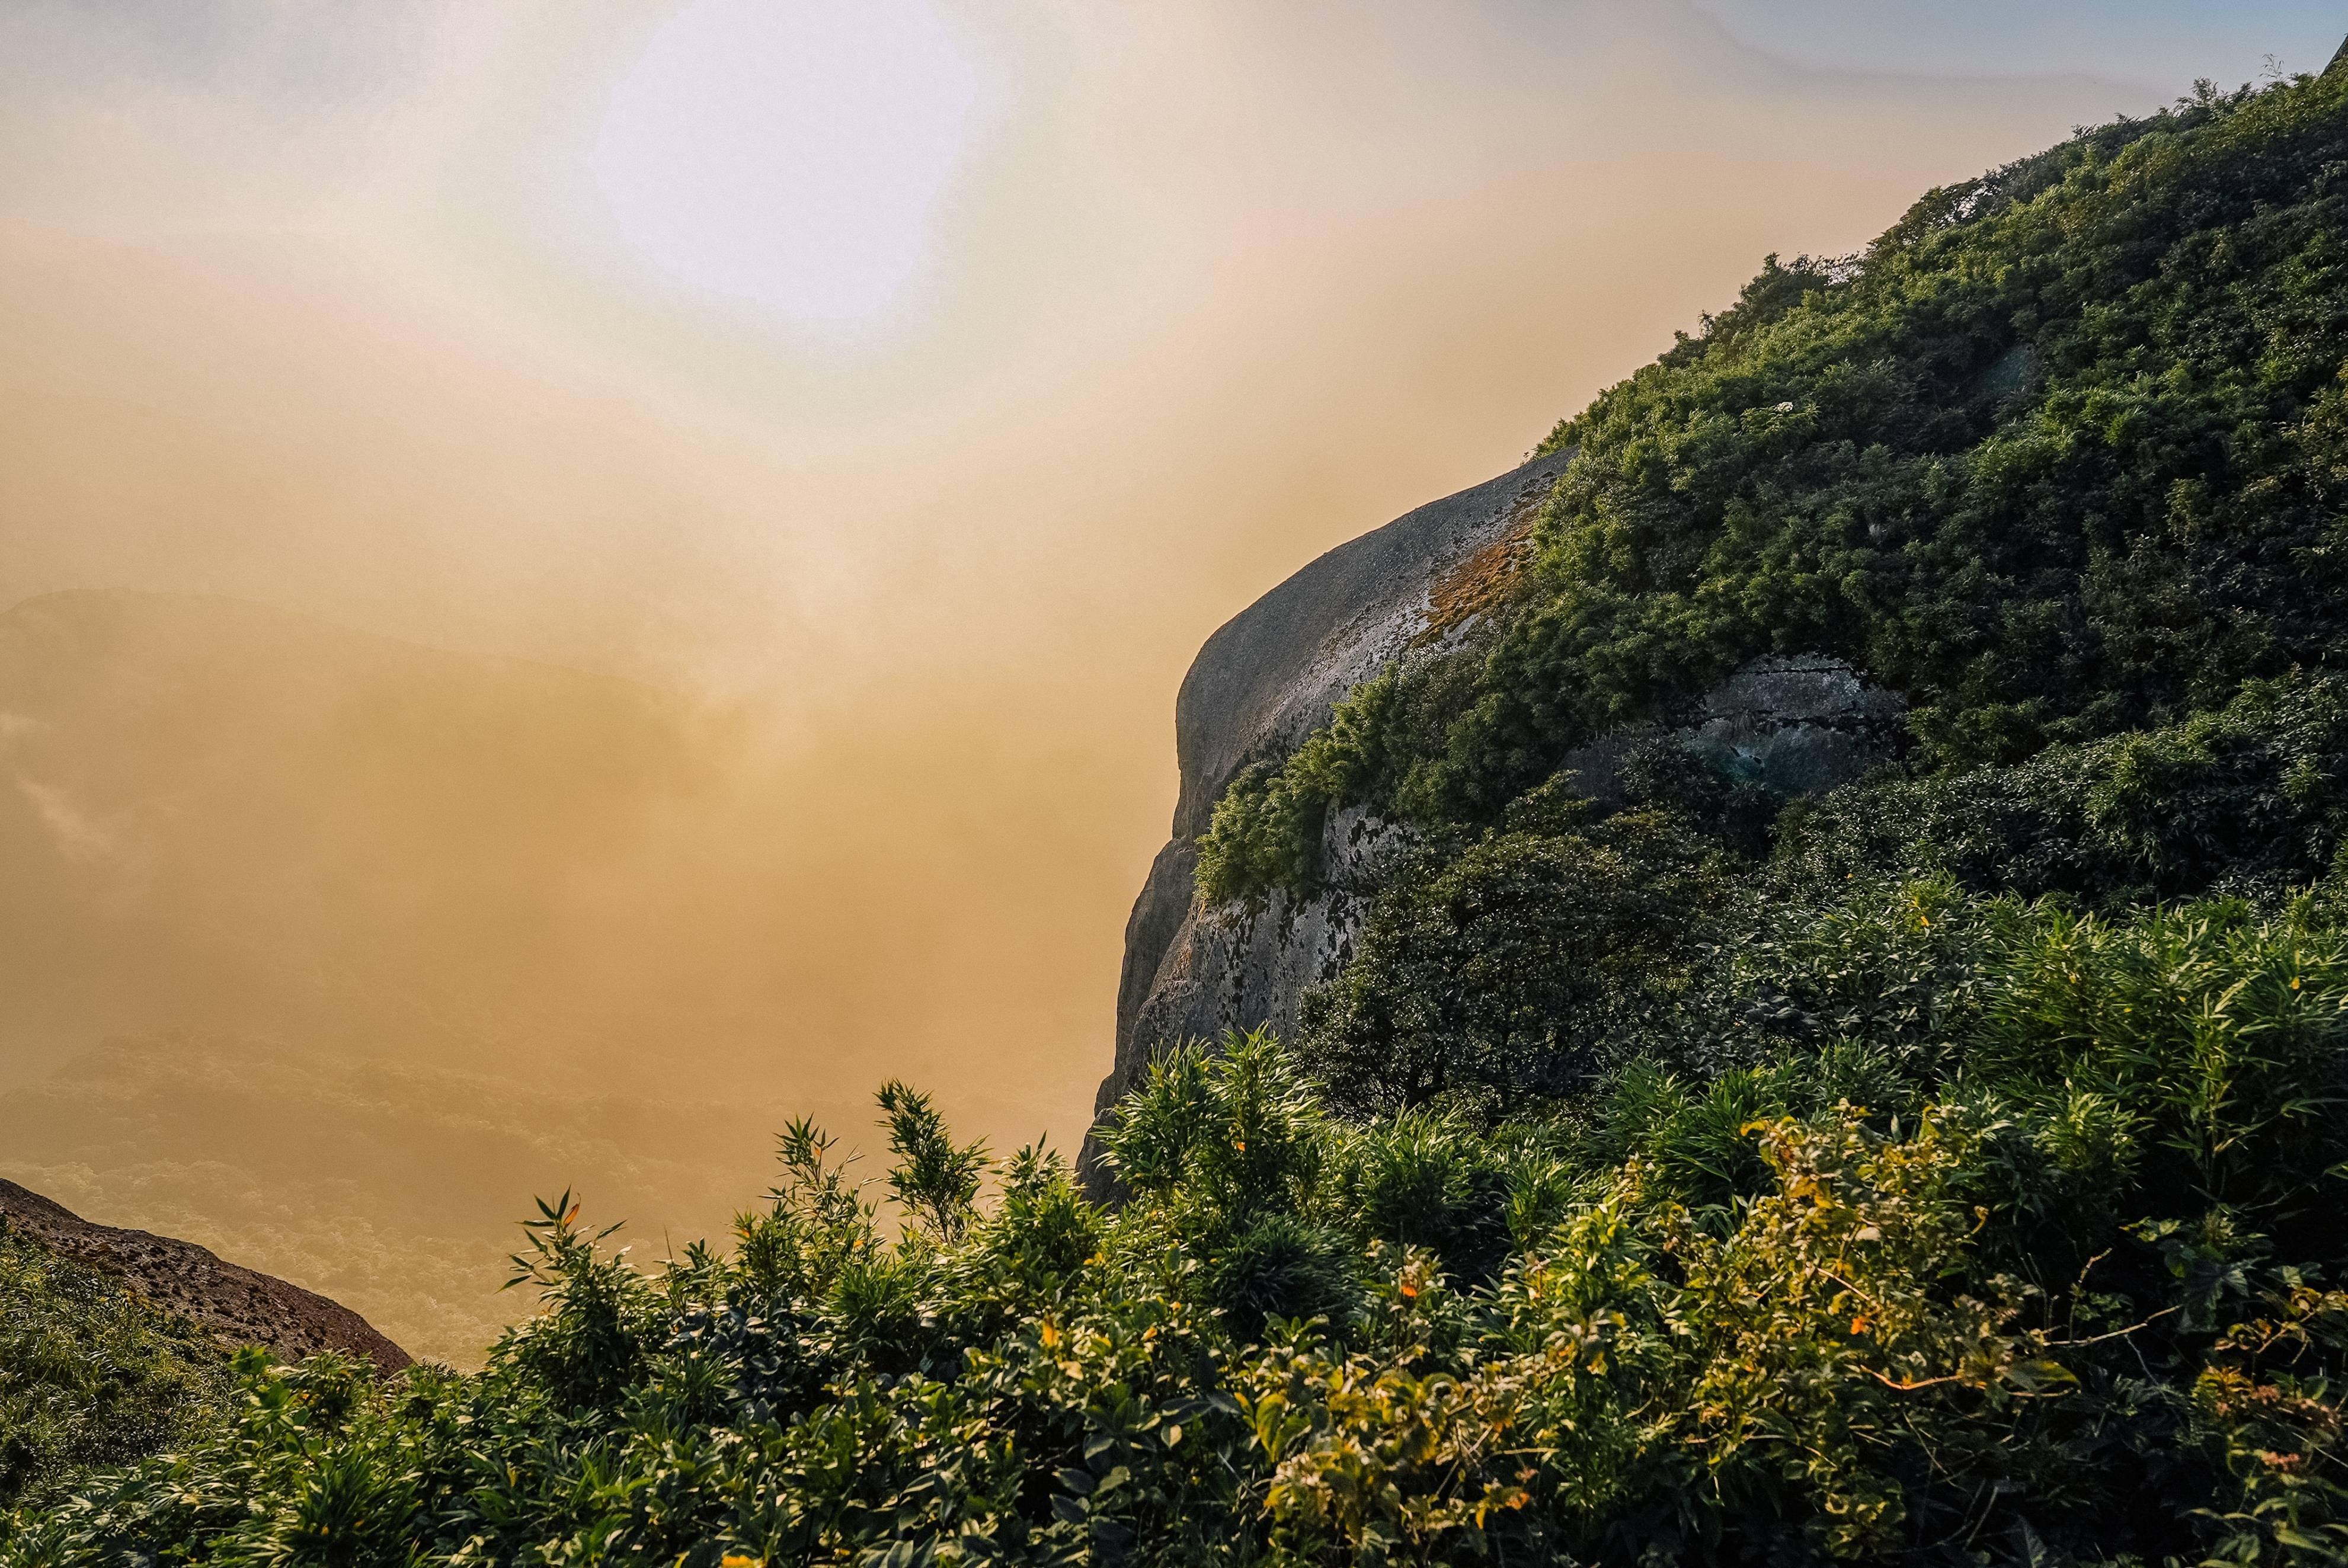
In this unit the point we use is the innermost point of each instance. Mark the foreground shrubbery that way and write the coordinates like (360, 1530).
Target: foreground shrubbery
(2028, 1251)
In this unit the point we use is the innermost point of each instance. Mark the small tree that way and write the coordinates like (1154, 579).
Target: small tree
(936, 1179)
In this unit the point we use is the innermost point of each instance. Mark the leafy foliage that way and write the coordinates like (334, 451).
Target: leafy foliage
(933, 1180)
(2030, 1244)
(1497, 973)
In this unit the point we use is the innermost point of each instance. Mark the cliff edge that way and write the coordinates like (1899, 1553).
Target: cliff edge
(1421, 586)
(1261, 684)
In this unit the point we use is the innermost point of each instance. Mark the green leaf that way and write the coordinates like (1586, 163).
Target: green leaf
(2041, 1374)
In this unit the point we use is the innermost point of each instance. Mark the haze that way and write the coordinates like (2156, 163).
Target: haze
(665, 536)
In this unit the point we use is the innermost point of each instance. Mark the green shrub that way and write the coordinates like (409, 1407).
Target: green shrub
(1517, 970)
(1279, 1266)
(1432, 1182)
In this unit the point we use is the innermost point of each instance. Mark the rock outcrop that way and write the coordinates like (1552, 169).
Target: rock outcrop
(1271, 677)
(1261, 685)
(1793, 726)
(235, 1306)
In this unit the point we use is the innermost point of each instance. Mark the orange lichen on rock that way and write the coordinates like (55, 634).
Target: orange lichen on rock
(1485, 578)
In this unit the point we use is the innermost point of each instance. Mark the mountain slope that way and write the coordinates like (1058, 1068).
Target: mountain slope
(2058, 468)
(234, 1304)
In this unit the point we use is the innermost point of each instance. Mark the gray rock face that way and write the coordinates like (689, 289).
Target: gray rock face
(1798, 725)
(1261, 684)
(1232, 968)
(1271, 677)
(1793, 726)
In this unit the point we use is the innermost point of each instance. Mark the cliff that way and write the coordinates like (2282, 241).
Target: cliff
(1424, 584)
(1261, 685)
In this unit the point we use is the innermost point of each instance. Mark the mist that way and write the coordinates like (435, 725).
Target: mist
(629, 565)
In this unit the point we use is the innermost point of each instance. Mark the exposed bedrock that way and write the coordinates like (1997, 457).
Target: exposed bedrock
(1270, 677)
(1263, 682)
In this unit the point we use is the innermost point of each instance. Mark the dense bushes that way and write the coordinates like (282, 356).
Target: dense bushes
(2248, 798)
(1496, 969)
(1501, 972)
(2026, 1243)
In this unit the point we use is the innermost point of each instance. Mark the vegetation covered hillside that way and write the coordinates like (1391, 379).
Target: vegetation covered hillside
(1950, 1168)
(90, 1373)
(2060, 456)
(2061, 460)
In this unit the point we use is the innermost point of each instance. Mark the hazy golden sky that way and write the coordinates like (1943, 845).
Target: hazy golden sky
(927, 379)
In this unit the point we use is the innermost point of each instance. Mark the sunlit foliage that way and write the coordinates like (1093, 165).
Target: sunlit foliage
(2028, 1241)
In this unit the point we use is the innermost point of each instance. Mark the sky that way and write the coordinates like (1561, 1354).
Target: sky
(799, 343)
(919, 382)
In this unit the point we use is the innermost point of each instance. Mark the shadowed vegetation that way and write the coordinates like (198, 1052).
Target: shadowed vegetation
(2000, 1228)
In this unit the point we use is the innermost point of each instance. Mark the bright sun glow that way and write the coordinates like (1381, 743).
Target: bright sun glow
(788, 155)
